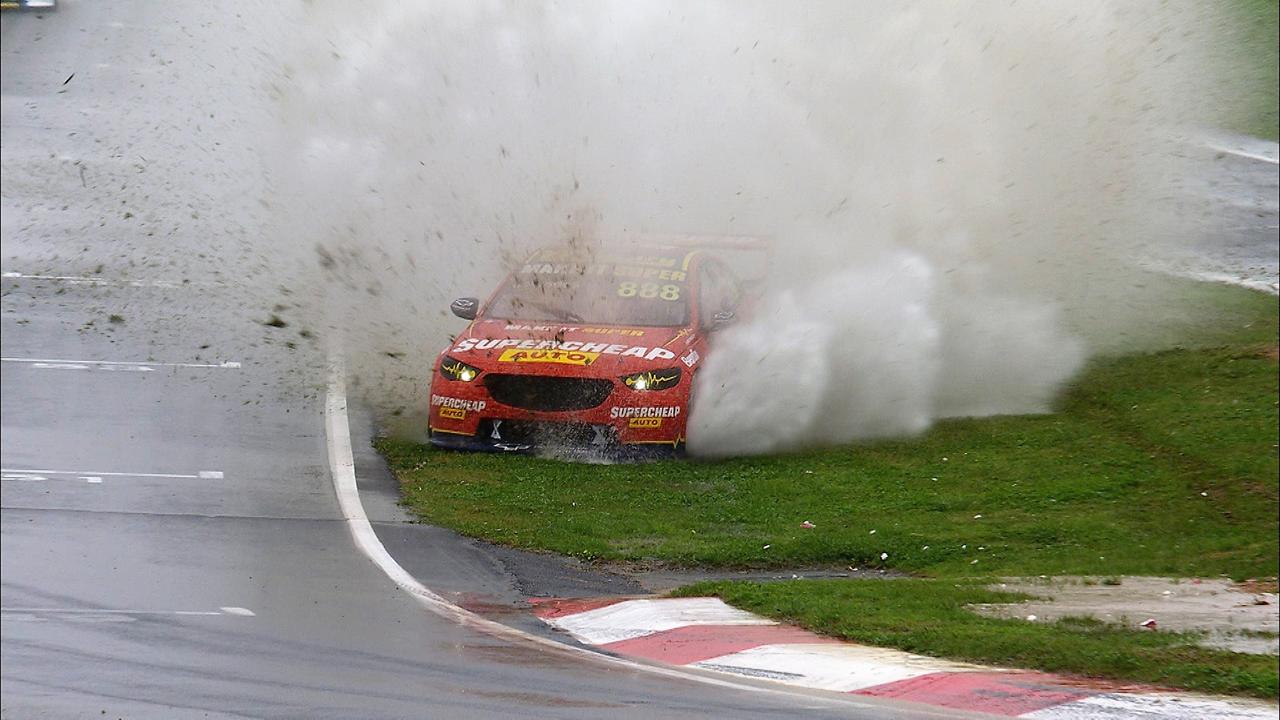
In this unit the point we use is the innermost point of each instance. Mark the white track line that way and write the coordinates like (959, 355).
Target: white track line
(342, 468)
(202, 475)
(238, 611)
(120, 363)
(1229, 279)
(1244, 154)
(637, 618)
(96, 280)
(1151, 706)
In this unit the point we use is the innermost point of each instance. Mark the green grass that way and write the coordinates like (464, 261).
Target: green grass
(1161, 463)
(1110, 485)
(1254, 62)
(930, 617)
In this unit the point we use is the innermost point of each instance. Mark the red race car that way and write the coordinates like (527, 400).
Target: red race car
(585, 354)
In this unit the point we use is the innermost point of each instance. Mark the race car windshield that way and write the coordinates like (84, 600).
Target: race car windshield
(598, 299)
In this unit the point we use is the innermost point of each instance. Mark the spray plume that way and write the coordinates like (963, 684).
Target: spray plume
(955, 189)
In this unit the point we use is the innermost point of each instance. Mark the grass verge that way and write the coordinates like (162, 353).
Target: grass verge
(1161, 463)
(1255, 64)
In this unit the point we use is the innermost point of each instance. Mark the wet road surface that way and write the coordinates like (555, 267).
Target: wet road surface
(171, 543)
(172, 547)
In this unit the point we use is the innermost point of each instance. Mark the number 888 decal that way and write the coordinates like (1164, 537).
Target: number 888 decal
(649, 291)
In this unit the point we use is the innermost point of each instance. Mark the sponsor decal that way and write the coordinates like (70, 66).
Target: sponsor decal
(627, 332)
(452, 403)
(553, 351)
(536, 328)
(645, 422)
(658, 269)
(644, 412)
(453, 413)
(563, 357)
(690, 359)
(552, 255)
(648, 291)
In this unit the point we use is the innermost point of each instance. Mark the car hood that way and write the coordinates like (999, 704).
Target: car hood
(582, 349)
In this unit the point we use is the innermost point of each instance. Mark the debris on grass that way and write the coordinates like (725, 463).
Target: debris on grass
(807, 525)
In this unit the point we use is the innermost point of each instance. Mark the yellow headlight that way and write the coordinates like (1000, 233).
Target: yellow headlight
(457, 370)
(652, 379)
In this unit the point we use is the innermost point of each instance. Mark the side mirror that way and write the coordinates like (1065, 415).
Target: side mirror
(722, 319)
(465, 308)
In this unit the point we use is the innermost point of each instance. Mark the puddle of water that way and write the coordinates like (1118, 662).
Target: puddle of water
(1232, 617)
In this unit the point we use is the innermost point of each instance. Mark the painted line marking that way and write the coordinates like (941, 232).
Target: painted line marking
(1244, 154)
(838, 667)
(638, 618)
(697, 643)
(136, 365)
(753, 672)
(95, 476)
(98, 280)
(1012, 694)
(230, 610)
(1217, 277)
(342, 469)
(1118, 706)
(892, 674)
(73, 366)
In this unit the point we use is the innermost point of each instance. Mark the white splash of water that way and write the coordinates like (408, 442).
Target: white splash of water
(952, 187)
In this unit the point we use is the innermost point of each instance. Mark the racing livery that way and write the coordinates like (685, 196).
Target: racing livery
(583, 354)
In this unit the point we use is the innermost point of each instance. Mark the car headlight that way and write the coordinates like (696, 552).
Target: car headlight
(652, 379)
(457, 370)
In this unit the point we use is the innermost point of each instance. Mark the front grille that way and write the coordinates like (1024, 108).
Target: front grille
(547, 394)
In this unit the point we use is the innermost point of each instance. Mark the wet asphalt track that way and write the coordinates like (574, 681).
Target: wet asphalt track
(171, 544)
(187, 558)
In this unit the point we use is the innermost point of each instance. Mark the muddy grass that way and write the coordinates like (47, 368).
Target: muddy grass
(1231, 616)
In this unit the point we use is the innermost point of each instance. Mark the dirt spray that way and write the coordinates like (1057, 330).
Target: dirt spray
(955, 190)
